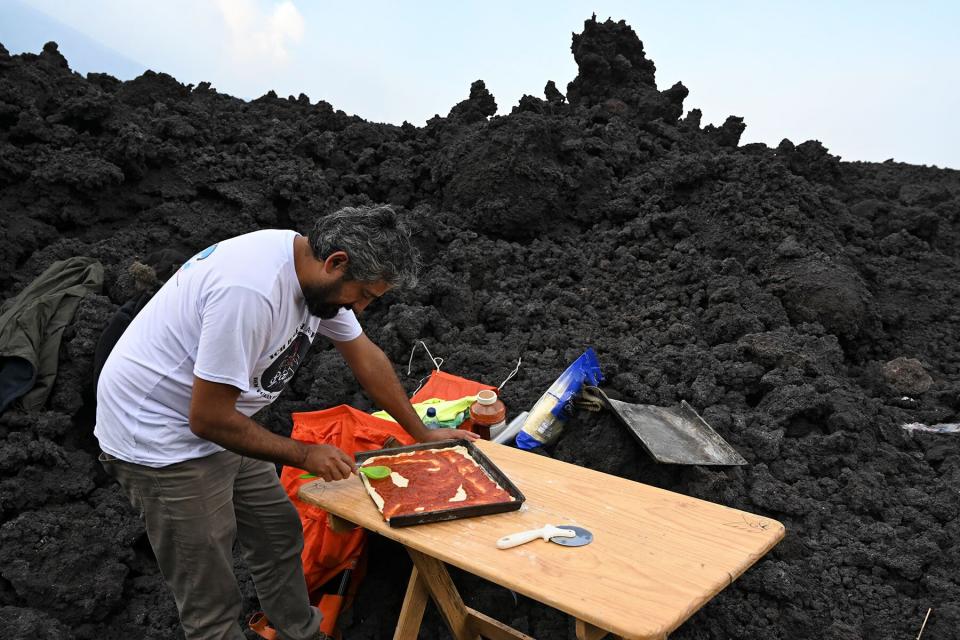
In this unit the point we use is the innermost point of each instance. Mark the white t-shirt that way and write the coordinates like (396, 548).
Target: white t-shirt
(235, 314)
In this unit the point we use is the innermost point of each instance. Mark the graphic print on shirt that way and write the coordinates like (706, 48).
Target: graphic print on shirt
(284, 362)
(203, 255)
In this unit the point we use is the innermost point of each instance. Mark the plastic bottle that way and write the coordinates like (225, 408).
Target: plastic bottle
(501, 436)
(487, 413)
(544, 423)
(548, 416)
(430, 420)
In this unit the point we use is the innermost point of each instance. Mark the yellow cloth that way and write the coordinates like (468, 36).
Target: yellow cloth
(447, 410)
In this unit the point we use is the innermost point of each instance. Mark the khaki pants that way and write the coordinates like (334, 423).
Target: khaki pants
(193, 511)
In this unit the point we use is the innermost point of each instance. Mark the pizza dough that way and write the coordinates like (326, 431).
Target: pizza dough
(429, 480)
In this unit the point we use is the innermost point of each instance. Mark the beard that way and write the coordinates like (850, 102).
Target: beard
(320, 298)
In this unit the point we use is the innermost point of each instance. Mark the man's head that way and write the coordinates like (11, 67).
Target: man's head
(362, 252)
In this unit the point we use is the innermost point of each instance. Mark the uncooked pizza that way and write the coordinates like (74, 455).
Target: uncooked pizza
(431, 480)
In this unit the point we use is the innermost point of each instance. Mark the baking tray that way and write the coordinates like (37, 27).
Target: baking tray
(457, 512)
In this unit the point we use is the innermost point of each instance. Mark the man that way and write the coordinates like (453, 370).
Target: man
(218, 342)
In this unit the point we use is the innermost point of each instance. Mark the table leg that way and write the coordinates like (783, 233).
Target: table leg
(414, 603)
(430, 576)
(339, 525)
(587, 631)
(437, 581)
(491, 629)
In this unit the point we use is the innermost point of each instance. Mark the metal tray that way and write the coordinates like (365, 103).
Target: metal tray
(457, 512)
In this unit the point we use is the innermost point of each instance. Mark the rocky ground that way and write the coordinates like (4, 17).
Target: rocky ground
(807, 307)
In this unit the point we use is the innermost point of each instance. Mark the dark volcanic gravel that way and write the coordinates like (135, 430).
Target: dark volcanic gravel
(806, 306)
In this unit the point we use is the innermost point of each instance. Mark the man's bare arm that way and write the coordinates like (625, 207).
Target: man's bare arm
(374, 372)
(214, 417)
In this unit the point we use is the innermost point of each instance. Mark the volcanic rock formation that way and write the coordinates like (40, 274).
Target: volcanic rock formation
(807, 307)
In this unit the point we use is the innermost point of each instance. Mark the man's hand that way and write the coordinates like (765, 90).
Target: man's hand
(435, 435)
(328, 462)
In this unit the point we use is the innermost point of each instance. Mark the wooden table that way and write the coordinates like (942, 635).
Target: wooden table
(657, 556)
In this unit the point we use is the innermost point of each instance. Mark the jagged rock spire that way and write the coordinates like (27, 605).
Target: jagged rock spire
(614, 67)
(479, 106)
(611, 60)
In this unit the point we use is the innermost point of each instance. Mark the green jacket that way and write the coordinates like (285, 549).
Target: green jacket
(31, 325)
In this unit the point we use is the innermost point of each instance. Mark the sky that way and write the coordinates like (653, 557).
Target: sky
(871, 80)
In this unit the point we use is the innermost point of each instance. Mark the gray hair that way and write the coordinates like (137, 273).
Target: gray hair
(376, 241)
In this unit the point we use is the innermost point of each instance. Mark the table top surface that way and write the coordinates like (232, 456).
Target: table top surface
(657, 556)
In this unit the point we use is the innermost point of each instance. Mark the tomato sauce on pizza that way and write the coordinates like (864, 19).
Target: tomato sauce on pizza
(431, 480)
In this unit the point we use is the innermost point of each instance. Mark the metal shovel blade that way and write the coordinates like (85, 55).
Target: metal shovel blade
(673, 436)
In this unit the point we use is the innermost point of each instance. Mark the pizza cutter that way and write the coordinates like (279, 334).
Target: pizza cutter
(566, 535)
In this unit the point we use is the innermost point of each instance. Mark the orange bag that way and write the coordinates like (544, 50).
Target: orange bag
(448, 387)
(326, 553)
